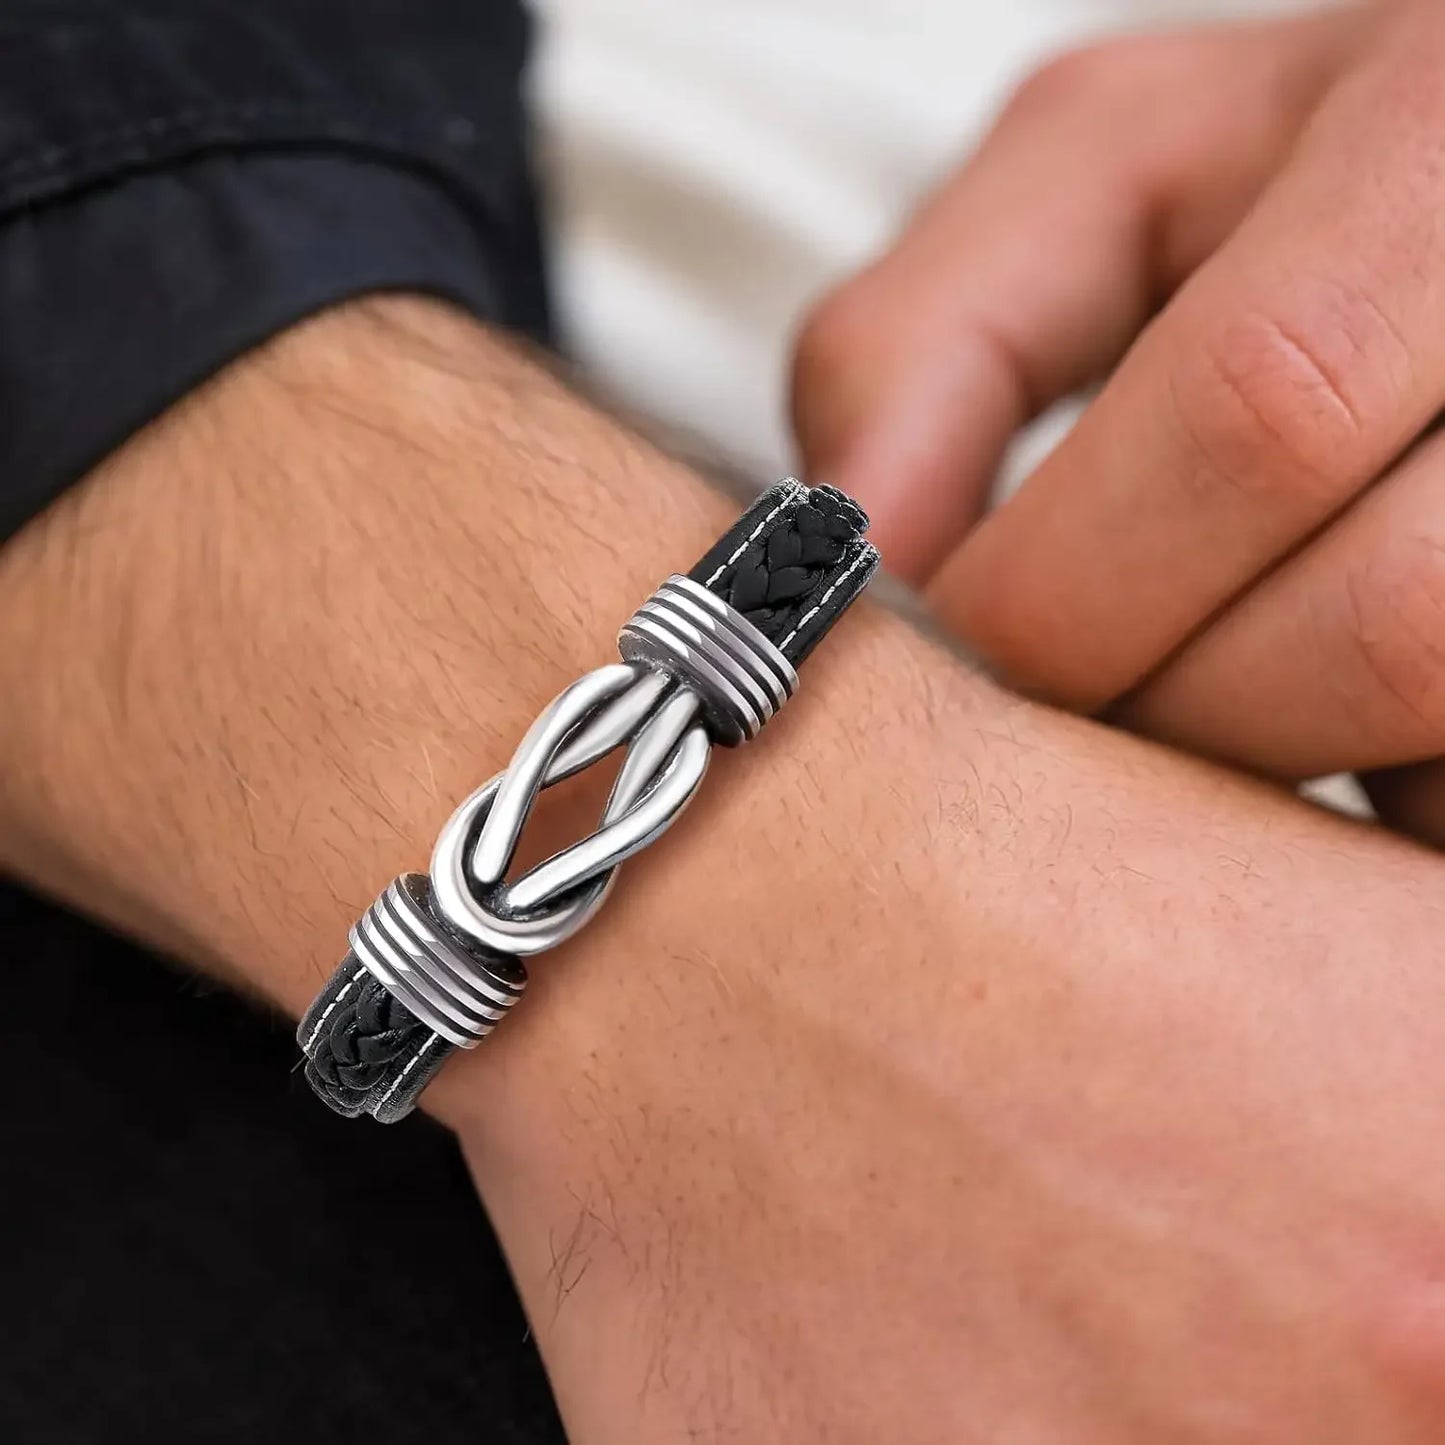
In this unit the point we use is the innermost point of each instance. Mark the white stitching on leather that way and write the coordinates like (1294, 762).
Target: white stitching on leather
(797, 489)
(864, 554)
(415, 1060)
(350, 984)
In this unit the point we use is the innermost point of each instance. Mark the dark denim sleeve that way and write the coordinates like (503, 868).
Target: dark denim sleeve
(180, 179)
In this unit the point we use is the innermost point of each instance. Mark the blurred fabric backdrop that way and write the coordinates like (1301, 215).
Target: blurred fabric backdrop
(713, 166)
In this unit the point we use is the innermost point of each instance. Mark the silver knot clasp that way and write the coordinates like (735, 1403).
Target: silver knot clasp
(696, 671)
(740, 678)
(439, 959)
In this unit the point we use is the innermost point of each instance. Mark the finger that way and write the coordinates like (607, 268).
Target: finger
(1336, 661)
(1030, 272)
(1285, 375)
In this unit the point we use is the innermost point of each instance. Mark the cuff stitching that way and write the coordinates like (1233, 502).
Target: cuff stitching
(38, 175)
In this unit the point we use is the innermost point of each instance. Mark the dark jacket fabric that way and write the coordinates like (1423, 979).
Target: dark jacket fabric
(195, 1249)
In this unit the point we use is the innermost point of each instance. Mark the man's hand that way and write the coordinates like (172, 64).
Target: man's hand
(1237, 549)
(956, 1071)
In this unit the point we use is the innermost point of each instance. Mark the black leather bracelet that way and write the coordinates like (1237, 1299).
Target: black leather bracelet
(436, 962)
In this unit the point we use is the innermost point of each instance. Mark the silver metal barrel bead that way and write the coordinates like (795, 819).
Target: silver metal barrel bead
(458, 991)
(688, 632)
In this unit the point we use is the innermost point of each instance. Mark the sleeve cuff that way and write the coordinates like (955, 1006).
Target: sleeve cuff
(120, 299)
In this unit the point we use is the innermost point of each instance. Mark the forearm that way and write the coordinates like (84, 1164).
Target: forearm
(250, 666)
(262, 652)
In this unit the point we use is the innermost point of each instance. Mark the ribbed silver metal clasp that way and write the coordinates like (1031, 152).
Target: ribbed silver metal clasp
(457, 992)
(691, 633)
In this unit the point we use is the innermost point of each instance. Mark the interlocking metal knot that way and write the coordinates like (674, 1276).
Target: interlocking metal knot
(439, 958)
(449, 944)
(696, 670)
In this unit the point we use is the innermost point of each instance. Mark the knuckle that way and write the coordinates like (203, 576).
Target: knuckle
(1291, 410)
(841, 333)
(1091, 74)
(824, 335)
(1396, 622)
(1066, 83)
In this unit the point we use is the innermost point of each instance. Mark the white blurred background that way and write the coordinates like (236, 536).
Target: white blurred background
(713, 166)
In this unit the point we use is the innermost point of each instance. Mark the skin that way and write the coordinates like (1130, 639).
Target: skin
(957, 1071)
(1238, 550)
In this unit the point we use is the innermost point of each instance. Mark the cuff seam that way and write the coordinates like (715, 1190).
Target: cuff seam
(53, 171)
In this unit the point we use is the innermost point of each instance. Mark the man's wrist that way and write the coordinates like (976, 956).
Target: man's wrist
(283, 676)
(1033, 991)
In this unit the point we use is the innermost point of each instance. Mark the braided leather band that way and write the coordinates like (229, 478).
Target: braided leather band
(436, 962)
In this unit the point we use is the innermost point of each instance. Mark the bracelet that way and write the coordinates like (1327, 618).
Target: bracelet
(437, 961)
